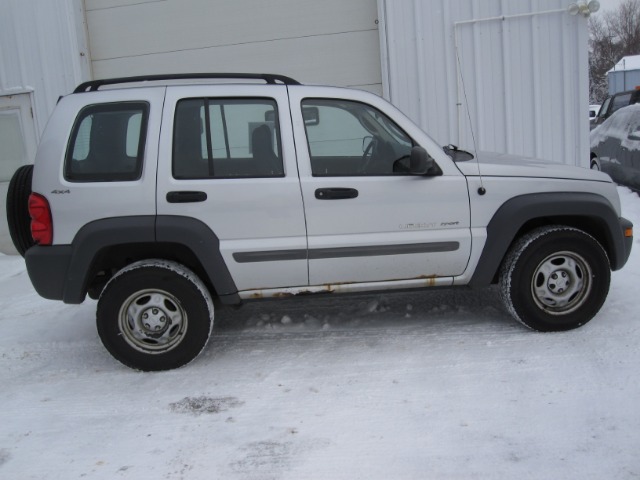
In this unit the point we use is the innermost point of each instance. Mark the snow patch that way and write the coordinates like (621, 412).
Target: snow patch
(204, 404)
(458, 390)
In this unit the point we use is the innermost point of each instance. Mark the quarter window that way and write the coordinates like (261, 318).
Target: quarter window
(348, 138)
(226, 138)
(107, 143)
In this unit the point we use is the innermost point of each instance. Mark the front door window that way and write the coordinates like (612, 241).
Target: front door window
(350, 138)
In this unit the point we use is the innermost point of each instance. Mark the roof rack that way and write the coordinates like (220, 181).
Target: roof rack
(269, 78)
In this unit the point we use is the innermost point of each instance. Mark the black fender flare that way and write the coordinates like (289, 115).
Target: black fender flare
(205, 244)
(516, 212)
(63, 272)
(98, 235)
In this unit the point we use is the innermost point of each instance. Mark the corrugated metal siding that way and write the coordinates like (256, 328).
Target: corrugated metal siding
(524, 66)
(622, 80)
(331, 41)
(42, 51)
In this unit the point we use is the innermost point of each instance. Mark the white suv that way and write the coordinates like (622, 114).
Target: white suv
(158, 194)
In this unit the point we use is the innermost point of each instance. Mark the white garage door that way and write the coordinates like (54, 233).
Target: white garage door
(314, 41)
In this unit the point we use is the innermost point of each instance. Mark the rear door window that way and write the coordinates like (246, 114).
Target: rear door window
(226, 138)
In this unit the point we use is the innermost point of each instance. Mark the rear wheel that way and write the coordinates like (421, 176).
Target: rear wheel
(18, 217)
(155, 315)
(555, 278)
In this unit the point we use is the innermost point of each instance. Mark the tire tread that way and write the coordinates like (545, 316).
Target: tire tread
(18, 218)
(519, 249)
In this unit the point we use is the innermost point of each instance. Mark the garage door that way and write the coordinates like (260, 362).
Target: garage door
(327, 42)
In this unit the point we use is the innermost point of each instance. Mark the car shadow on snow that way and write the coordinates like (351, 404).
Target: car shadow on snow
(434, 308)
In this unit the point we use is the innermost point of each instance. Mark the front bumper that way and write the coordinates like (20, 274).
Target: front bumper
(627, 241)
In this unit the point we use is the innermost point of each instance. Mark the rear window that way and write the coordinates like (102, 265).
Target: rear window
(107, 143)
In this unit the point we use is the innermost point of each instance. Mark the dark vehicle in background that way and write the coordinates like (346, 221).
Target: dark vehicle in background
(615, 147)
(614, 103)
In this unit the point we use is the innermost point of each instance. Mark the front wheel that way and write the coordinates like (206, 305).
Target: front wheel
(155, 315)
(555, 278)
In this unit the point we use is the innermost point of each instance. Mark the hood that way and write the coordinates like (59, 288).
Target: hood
(505, 165)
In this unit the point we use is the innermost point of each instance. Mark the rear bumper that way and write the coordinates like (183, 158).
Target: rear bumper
(48, 268)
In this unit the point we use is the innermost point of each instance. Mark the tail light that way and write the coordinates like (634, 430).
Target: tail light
(41, 224)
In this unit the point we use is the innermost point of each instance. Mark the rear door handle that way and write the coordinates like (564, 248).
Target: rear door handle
(186, 197)
(336, 193)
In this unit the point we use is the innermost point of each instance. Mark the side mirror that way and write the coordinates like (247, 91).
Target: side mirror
(421, 163)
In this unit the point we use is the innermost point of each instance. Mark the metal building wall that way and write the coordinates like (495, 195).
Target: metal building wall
(622, 80)
(43, 51)
(523, 64)
(43, 55)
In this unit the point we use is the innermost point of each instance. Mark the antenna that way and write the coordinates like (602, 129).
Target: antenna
(481, 190)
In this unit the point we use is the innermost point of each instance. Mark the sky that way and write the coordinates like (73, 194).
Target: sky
(608, 5)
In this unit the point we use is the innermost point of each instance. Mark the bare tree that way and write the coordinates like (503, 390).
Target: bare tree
(611, 36)
(624, 26)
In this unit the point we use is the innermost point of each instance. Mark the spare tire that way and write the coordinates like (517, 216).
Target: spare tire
(18, 217)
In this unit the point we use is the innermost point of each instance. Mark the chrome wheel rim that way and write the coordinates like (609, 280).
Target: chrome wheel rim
(152, 321)
(561, 283)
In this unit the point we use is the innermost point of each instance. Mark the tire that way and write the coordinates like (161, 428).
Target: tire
(555, 278)
(155, 315)
(18, 217)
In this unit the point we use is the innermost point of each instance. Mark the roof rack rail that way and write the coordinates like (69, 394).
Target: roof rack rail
(270, 78)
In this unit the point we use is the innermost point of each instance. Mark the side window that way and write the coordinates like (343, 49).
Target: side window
(226, 138)
(350, 139)
(620, 101)
(107, 143)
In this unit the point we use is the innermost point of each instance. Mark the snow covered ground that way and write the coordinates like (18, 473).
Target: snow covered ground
(429, 385)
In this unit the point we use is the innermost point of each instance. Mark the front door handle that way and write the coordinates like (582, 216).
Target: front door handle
(336, 193)
(186, 197)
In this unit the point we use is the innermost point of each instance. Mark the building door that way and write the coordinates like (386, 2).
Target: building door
(17, 147)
